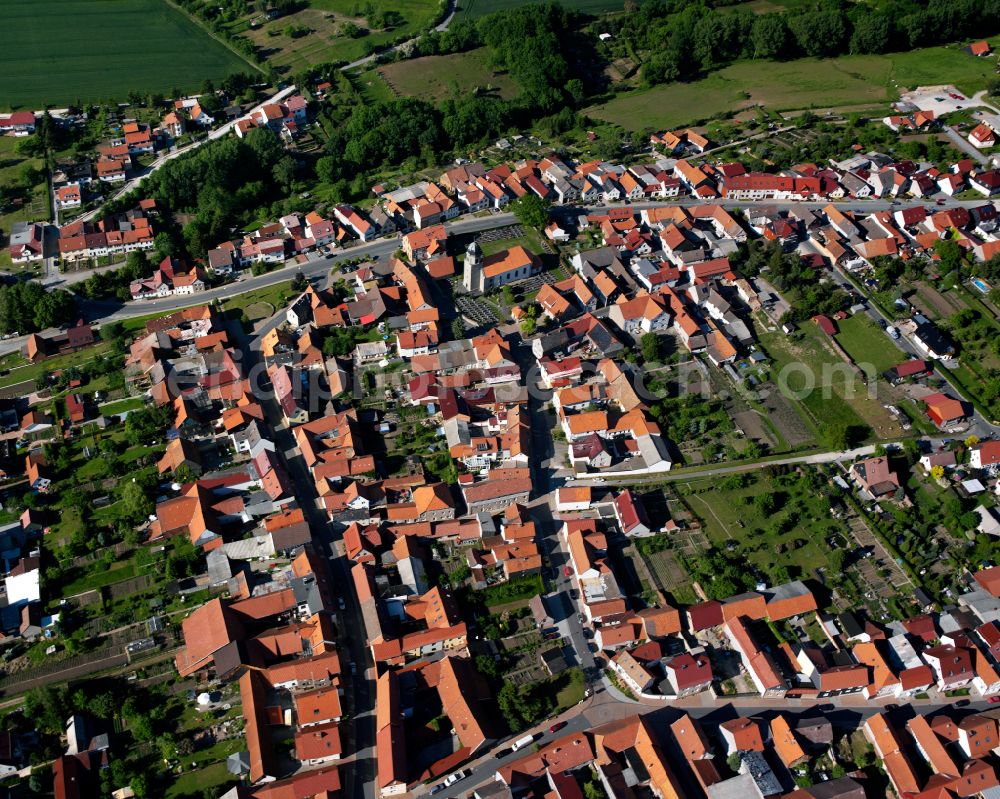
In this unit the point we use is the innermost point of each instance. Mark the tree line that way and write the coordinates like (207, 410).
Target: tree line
(536, 45)
(680, 40)
(26, 307)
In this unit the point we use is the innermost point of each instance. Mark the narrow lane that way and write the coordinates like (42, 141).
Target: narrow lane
(359, 696)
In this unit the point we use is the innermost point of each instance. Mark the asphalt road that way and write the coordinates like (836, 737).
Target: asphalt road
(359, 695)
(97, 312)
(599, 709)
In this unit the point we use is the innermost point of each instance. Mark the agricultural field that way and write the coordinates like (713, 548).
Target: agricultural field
(471, 9)
(804, 83)
(56, 52)
(435, 77)
(321, 32)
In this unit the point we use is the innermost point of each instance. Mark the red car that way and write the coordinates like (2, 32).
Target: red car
(560, 724)
(567, 571)
(993, 700)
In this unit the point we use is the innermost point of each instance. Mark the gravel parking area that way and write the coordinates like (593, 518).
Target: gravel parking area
(937, 99)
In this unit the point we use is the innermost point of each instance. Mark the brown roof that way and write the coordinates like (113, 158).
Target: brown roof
(320, 741)
(931, 746)
(785, 743)
(464, 700)
(207, 630)
(746, 734)
(691, 738)
(989, 579)
(322, 704)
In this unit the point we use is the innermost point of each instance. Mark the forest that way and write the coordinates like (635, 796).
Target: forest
(682, 41)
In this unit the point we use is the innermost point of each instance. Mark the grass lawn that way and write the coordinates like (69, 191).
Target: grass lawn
(804, 83)
(512, 591)
(436, 77)
(530, 240)
(134, 453)
(837, 397)
(115, 574)
(570, 691)
(137, 324)
(32, 371)
(372, 86)
(276, 295)
(325, 41)
(194, 782)
(865, 342)
(123, 405)
(480, 8)
(65, 51)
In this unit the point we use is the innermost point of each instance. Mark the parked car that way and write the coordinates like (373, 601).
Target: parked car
(451, 779)
(567, 571)
(560, 724)
(993, 700)
(438, 788)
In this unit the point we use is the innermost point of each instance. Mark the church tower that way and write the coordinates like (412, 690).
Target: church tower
(472, 276)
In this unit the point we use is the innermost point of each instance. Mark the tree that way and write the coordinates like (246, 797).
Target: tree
(575, 90)
(486, 666)
(769, 36)
(136, 506)
(284, 172)
(137, 261)
(47, 708)
(872, 33)
(649, 344)
(835, 436)
(952, 255)
(458, 328)
(164, 246)
(937, 471)
(765, 503)
(507, 701)
(146, 423)
(531, 210)
(820, 33)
